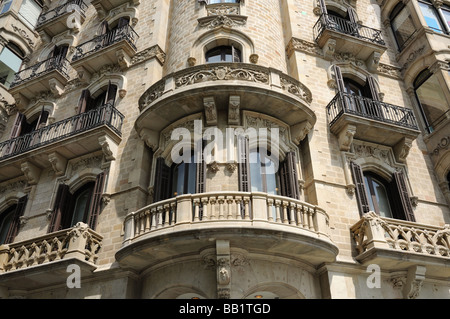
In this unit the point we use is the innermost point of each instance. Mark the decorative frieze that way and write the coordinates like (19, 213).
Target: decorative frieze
(229, 21)
(149, 53)
(300, 45)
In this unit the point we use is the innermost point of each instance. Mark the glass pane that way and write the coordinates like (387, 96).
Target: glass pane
(382, 199)
(369, 197)
(255, 172)
(81, 206)
(29, 12)
(5, 224)
(269, 168)
(191, 177)
(5, 5)
(403, 27)
(432, 100)
(10, 59)
(431, 17)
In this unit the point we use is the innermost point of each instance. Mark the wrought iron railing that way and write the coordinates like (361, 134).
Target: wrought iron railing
(57, 63)
(330, 22)
(68, 7)
(371, 109)
(105, 115)
(116, 35)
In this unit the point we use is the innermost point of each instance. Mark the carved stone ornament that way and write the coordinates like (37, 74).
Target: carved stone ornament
(210, 110)
(213, 167)
(149, 53)
(215, 21)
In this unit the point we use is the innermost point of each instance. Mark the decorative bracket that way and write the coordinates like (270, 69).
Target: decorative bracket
(210, 110)
(233, 109)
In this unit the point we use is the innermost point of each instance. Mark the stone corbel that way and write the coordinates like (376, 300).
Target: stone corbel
(373, 61)
(150, 138)
(56, 87)
(345, 137)
(21, 102)
(234, 105)
(401, 149)
(414, 281)
(83, 75)
(300, 131)
(101, 12)
(123, 59)
(329, 48)
(45, 37)
(59, 163)
(210, 110)
(31, 172)
(109, 148)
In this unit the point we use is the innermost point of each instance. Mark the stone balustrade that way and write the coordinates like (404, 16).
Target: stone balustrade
(375, 232)
(213, 208)
(79, 242)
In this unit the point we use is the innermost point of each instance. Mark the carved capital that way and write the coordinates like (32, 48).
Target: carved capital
(234, 105)
(401, 149)
(329, 48)
(300, 131)
(123, 59)
(345, 137)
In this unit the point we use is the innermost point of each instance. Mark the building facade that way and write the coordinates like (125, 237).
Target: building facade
(224, 149)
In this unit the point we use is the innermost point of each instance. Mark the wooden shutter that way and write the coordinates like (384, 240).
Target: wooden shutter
(289, 177)
(353, 17)
(111, 93)
(83, 103)
(42, 120)
(372, 86)
(162, 181)
(201, 168)
(360, 189)
(60, 208)
(96, 200)
(243, 163)
(15, 132)
(14, 228)
(401, 200)
(338, 78)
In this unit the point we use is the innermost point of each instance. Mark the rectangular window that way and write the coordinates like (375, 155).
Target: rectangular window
(403, 27)
(446, 13)
(29, 13)
(431, 16)
(5, 5)
(9, 65)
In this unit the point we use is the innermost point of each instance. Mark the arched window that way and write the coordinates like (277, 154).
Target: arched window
(9, 221)
(179, 178)
(184, 177)
(223, 53)
(402, 25)
(83, 205)
(103, 96)
(219, 1)
(374, 193)
(431, 99)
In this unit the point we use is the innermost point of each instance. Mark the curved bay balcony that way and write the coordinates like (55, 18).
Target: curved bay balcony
(257, 88)
(396, 245)
(57, 142)
(335, 34)
(255, 221)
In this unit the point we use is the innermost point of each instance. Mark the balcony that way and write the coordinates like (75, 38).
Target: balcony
(255, 221)
(374, 121)
(48, 75)
(57, 20)
(397, 245)
(114, 47)
(103, 6)
(334, 34)
(69, 138)
(42, 261)
(258, 88)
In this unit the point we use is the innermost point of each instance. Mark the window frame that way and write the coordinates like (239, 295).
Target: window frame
(236, 54)
(398, 8)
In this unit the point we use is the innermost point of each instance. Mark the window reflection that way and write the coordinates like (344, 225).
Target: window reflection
(402, 25)
(378, 196)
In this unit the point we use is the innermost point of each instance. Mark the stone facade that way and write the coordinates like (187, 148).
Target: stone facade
(226, 241)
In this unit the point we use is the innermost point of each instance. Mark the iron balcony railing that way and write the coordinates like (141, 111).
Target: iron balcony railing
(116, 35)
(57, 63)
(330, 22)
(105, 115)
(68, 7)
(370, 109)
